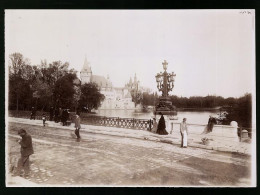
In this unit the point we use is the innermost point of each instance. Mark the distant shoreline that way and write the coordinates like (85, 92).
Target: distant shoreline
(198, 109)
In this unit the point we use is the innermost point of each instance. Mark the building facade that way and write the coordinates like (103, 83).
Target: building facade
(115, 97)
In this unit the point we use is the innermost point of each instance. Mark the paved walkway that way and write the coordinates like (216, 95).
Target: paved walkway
(194, 140)
(105, 160)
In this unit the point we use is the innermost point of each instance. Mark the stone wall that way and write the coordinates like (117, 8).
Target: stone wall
(219, 132)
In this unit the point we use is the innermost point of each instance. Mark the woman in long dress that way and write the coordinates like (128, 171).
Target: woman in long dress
(161, 126)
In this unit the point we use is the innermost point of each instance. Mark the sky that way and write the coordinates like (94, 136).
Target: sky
(212, 52)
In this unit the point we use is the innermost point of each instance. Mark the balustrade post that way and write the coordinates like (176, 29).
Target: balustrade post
(118, 122)
(240, 134)
(133, 123)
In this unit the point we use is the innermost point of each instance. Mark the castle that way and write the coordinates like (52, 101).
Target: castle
(115, 97)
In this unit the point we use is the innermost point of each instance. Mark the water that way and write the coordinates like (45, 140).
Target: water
(193, 117)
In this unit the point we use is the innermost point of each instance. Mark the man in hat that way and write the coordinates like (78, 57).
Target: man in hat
(26, 151)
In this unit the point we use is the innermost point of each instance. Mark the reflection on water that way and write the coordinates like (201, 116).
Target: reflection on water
(193, 117)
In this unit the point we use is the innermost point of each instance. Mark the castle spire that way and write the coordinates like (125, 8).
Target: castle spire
(135, 79)
(86, 67)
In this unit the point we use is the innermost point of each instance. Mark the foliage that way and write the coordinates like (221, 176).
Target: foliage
(33, 85)
(148, 99)
(90, 96)
(64, 91)
(242, 111)
(19, 93)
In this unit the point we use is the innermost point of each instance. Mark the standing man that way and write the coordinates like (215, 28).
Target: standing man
(63, 117)
(77, 125)
(184, 133)
(56, 115)
(51, 113)
(154, 125)
(26, 151)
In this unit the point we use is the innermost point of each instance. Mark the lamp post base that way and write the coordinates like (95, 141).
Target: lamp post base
(165, 107)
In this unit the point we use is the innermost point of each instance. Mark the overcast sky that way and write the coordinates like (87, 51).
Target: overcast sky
(212, 52)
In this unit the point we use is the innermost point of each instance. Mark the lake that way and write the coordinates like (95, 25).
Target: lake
(193, 117)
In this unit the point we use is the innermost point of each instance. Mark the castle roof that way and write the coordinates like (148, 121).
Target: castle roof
(128, 95)
(101, 81)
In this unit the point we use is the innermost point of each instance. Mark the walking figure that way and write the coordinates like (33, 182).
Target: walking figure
(26, 151)
(43, 119)
(77, 125)
(33, 113)
(184, 133)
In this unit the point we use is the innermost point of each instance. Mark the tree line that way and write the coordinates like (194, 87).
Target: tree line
(239, 109)
(48, 85)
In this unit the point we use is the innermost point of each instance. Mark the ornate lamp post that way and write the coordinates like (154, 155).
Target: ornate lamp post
(165, 84)
(165, 81)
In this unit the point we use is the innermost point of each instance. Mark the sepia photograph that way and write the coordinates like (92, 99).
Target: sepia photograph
(130, 98)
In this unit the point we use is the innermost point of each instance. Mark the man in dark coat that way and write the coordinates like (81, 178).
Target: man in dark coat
(77, 125)
(161, 126)
(51, 113)
(26, 151)
(33, 113)
(56, 115)
(63, 117)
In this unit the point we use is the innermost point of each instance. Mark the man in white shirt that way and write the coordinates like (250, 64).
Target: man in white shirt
(184, 133)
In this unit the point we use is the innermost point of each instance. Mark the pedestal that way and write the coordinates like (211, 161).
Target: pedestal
(169, 112)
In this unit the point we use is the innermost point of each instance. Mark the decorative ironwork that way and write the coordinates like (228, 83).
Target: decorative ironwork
(165, 81)
(127, 123)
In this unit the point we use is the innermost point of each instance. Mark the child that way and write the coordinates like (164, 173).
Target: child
(43, 119)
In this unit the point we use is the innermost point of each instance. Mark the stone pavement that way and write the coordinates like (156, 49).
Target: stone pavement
(104, 160)
(194, 139)
(20, 182)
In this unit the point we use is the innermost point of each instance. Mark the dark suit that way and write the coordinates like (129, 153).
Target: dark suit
(26, 151)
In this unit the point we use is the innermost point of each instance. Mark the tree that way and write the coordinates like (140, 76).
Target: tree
(19, 93)
(148, 99)
(64, 91)
(20, 74)
(47, 76)
(242, 111)
(90, 96)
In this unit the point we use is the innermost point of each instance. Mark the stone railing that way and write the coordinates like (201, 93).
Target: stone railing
(224, 132)
(128, 123)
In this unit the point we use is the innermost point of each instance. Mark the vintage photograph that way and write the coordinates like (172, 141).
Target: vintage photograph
(132, 98)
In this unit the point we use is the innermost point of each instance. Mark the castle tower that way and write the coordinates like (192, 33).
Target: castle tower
(86, 72)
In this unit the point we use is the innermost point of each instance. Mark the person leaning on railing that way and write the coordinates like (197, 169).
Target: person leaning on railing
(212, 121)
